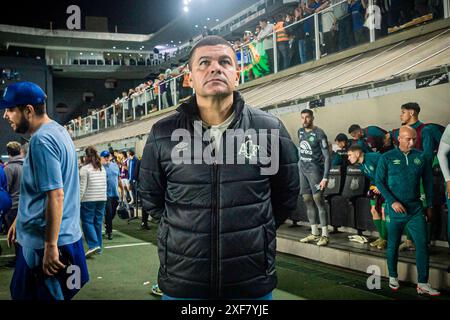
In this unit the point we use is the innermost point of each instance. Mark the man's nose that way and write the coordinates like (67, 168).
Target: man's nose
(4, 115)
(215, 67)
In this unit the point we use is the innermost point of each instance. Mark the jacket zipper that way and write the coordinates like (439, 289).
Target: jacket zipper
(215, 231)
(407, 161)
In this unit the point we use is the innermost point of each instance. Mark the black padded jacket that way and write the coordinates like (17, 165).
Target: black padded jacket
(217, 233)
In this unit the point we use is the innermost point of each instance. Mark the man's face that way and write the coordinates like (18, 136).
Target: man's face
(17, 120)
(307, 120)
(213, 71)
(353, 156)
(104, 160)
(341, 144)
(357, 134)
(407, 139)
(406, 115)
(262, 24)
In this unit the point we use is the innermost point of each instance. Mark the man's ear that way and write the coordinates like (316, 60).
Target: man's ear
(238, 77)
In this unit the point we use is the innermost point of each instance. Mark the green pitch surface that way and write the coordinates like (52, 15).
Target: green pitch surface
(128, 267)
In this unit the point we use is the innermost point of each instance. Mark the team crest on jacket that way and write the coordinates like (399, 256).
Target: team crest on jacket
(417, 161)
(248, 149)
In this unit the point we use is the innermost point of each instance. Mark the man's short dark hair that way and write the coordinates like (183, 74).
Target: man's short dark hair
(39, 109)
(355, 148)
(411, 106)
(353, 128)
(209, 41)
(263, 20)
(131, 152)
(308, 111)
(13, 148)
(341, 137)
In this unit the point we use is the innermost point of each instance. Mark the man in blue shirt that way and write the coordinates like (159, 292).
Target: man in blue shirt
(132, 160)
(113, 182)
(50, 259)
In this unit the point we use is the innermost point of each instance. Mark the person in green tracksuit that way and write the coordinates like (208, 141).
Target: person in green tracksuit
(368, 163)
(428, 136)
(398, 177)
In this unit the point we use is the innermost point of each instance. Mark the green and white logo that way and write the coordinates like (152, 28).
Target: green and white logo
(396, 161)
(311, 139)
(417, 161)
(371, 168)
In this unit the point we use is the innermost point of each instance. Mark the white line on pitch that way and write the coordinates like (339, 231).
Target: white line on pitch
(128, 245)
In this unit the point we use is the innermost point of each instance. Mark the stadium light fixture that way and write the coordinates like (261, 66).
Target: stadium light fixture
(186, 9)
(114, 47)
(128, 48)
(196, 25)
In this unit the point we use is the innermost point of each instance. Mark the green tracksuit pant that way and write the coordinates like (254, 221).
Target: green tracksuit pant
(396, 223)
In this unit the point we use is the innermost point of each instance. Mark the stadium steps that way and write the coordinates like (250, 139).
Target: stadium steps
(358, 257)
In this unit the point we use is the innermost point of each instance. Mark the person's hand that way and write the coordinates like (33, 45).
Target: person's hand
(398, 207)
(323, 184)
(51, 264)
(376, 191)
(11, 237)
(448, 189)
(429, 214)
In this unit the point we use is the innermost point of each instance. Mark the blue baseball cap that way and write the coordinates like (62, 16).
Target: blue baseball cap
(22, 93)
(105, 154)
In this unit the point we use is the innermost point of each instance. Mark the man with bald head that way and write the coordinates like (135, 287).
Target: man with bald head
(398, 178)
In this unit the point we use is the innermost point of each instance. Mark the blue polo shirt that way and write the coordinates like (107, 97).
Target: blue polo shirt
(51, 163)
(112, 180)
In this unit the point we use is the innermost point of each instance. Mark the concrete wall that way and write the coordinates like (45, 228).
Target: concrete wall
(382, 111)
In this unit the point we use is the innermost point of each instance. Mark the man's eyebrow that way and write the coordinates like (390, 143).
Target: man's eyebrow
(209, 57)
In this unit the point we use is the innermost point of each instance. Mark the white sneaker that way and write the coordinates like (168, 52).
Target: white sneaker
(425, 288)
(323, 241)
(393, 283)
(92, 251)
(310, 238)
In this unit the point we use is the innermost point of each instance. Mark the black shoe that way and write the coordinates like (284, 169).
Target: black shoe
(145, 226)
(110, 237)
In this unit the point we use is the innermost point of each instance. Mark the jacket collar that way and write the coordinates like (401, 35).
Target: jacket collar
(16, 159)
(190, 108)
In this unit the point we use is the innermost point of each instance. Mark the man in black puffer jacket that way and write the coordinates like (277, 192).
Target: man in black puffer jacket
(222, 177)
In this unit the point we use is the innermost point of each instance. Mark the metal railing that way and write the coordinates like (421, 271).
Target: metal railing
(154, 98)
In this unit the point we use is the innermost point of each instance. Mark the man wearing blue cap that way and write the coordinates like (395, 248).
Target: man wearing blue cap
(50, 263)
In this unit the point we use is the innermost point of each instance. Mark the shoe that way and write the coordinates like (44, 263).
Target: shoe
(393, 284)
(425, 288)
(359, 239)
(110, 237)
(382, 244)
(375, 243)
(323, 241)
(310, 238)
(407, 245)
(92, 251)
(145, 226)
(156, 291)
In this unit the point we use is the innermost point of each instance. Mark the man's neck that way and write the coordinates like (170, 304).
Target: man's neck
(309, 129)
(405, 151)
(215, 110)
(412, 121)
(361, 159)
(38, 122)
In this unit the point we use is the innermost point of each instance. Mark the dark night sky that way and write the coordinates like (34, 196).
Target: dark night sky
(132, 16)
